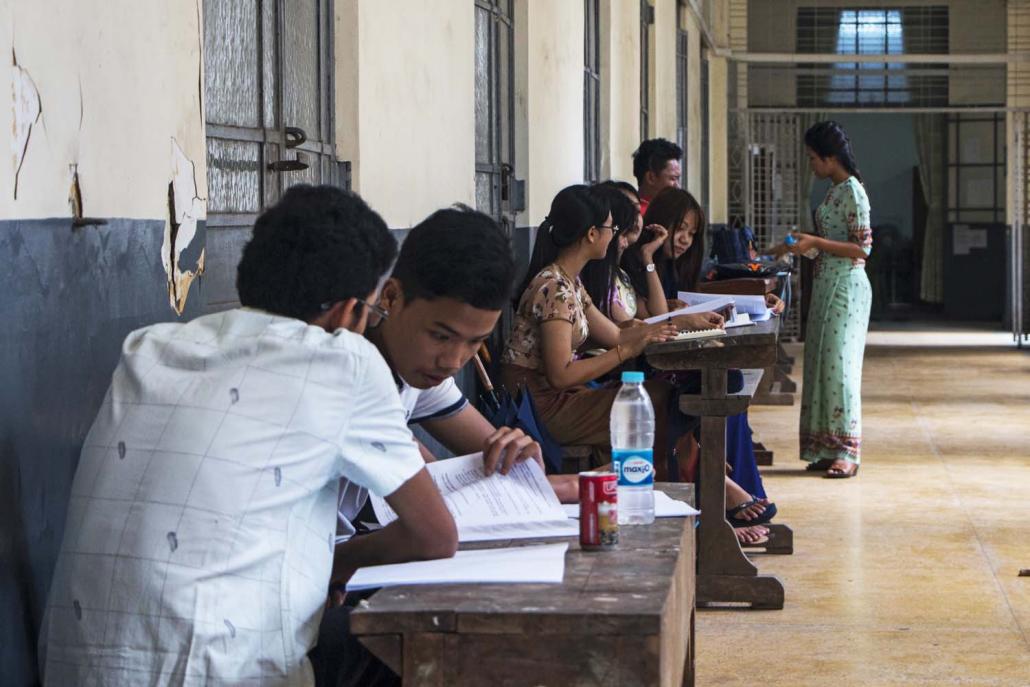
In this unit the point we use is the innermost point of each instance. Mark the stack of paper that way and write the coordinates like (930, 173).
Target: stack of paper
(519, 505)
(754, 306)
(518, 564)
(710, 305)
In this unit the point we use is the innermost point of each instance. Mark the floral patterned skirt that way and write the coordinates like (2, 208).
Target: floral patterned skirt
(831, 398)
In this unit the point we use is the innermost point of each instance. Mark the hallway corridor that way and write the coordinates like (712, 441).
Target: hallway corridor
(906, 575)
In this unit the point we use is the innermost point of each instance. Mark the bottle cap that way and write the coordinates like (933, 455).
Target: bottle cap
(632, 377)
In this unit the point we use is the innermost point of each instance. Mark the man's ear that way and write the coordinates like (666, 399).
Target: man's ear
(346, 314)
(392, 294)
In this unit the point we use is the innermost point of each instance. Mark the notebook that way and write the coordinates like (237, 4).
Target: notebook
(699, 334)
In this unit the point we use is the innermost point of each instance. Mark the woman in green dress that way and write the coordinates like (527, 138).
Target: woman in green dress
(831, 400)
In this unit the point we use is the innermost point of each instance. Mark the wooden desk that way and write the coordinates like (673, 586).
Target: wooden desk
(724, 573)
(623, 617)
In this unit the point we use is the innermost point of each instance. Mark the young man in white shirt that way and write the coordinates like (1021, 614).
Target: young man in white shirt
(200, 533)
(453, 277)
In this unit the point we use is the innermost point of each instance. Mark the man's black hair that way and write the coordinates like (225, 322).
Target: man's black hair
(457, 253)
(652, 155)
(317, 245)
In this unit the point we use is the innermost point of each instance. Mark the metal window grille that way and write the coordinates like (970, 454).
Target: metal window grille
(646, 19)
(705, 134)
(682, 66)
(872, 31)
(591, 91)
(976, 167)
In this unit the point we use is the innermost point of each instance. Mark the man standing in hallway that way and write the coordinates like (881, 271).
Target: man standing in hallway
(656, 165)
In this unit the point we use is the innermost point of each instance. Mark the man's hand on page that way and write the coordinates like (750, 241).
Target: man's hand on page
(507, 446)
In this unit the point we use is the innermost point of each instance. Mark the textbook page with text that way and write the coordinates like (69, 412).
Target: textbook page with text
(519, 505)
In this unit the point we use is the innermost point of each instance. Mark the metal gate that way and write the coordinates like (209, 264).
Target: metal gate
(1019, 249)
(766, 190)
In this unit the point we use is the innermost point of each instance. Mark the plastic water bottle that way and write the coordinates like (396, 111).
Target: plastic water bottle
(632, 429)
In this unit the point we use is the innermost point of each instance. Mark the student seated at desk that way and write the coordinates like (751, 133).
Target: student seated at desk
(555, 317)
(453, 277)
(199, 540)
(679, 256)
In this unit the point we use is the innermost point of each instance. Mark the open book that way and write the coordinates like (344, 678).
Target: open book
(518, 505)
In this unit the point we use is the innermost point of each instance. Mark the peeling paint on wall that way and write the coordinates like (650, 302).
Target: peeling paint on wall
(184, 209)
(27, 110)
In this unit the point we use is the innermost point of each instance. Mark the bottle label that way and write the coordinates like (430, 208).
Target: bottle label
(634, 466)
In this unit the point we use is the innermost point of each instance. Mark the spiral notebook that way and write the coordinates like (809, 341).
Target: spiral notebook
(699, 334)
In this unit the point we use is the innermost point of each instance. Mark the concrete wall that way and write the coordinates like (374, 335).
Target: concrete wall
(552, 90)
(620, 87)
(405, 104)
(105, 92)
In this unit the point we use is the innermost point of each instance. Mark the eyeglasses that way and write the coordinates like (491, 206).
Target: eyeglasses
(382, 312)
(376, 309)
(614, 227)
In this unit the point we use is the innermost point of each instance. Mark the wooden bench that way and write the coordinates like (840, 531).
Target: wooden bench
(622, 617)
(781, 537)
(724, 573)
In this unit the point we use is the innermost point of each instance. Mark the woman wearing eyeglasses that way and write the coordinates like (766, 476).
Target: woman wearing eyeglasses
(556, 316)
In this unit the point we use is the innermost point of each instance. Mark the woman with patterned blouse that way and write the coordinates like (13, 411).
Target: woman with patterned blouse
(556, 316)
(831, 400)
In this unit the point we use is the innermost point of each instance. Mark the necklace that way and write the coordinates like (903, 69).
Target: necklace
(561, 269)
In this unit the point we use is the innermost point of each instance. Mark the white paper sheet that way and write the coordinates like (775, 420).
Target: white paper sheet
(752, 305)
(664, 507)
(741, 319)
(708, 306)
(544, 564)
(519, 505)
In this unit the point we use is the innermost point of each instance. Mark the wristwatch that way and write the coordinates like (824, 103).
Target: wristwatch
(649, 267)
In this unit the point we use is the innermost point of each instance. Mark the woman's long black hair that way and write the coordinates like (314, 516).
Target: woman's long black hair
(599, 276)
(668, 209)
(828, 139)
(573, 212)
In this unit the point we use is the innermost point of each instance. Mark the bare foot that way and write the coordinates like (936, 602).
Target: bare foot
(755, 534)
(842, 469)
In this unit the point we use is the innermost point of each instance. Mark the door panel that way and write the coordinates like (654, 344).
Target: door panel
(267, 67)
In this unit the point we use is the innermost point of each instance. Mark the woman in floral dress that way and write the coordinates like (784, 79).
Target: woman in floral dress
(831, 400)
(556, 316)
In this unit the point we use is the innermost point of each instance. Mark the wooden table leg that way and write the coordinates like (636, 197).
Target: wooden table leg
(724, 573)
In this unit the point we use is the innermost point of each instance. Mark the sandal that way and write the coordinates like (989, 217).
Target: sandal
(819, 465)
(765, 516)
(833, 472)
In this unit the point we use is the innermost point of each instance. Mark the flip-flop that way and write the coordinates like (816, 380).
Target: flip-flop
(768, 514)
(840, 474)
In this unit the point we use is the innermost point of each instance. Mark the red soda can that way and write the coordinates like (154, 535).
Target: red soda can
(598, 510)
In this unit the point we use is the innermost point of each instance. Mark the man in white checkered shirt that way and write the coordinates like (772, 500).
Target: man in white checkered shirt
(199, 544)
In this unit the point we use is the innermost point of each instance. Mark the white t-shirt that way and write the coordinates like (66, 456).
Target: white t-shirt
(443, 400)
(201, 524)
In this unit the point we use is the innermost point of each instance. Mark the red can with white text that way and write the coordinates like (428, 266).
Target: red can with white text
(598, 510)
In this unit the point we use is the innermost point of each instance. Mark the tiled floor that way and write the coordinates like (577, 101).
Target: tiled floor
(906, 575)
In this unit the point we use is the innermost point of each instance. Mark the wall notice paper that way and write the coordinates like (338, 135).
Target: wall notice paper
(544, 564)
(752, 305)
(707, 306)
(965, 238)
(664, 507)
(519, 505)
